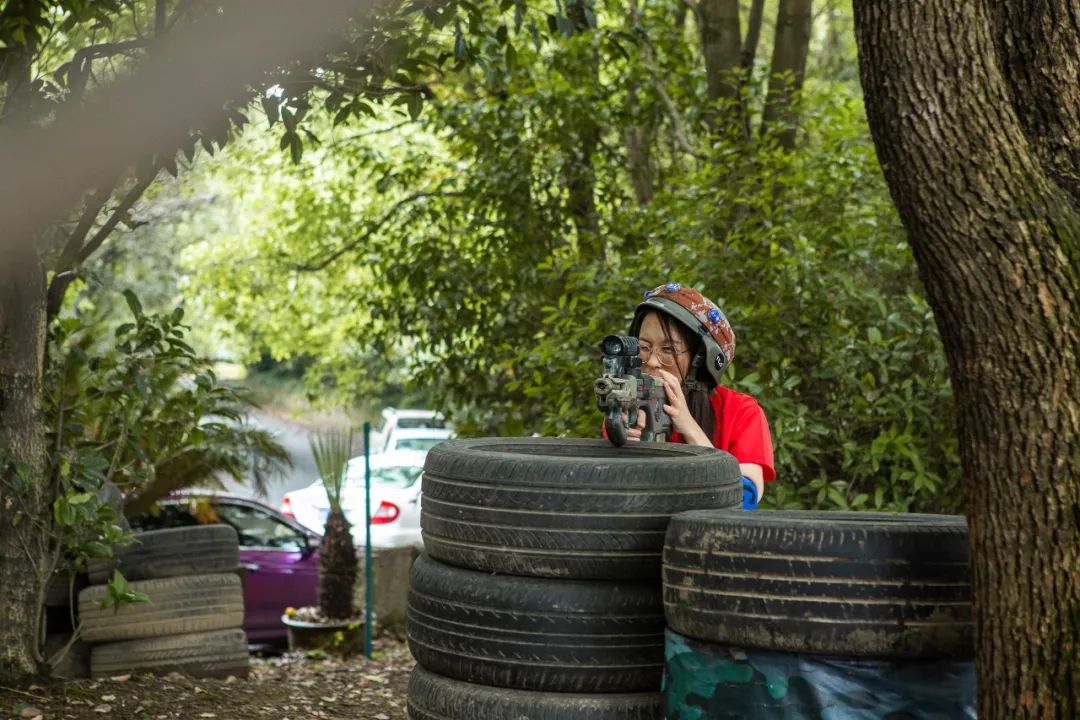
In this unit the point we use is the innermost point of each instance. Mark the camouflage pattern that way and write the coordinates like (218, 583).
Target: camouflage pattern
(707, 681)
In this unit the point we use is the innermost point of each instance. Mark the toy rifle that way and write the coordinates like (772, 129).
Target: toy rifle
(623, 389)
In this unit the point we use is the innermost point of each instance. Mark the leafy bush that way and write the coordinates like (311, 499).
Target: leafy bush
(136, 408)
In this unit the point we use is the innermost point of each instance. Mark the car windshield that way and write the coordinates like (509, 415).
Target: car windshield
(417, 443)
(414, 423)
(401, 476)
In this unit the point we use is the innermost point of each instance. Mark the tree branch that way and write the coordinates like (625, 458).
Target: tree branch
(314, 266)
(93, 52)
(378, 131)
(676, 121)
(75, 253)
(126, 204)
(93, 208)
(181, 9)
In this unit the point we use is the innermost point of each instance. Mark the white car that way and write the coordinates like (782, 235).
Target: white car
(395, 500)
(395, 420)
(421, 439)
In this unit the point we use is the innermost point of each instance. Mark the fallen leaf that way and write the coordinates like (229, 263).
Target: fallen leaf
(30, 713)
(108, 698)
(103, 708)
(120, 678)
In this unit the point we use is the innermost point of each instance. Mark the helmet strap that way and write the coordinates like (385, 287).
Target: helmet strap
(691, 383)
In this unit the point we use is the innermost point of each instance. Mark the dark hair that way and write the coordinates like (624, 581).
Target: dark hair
(699, 382)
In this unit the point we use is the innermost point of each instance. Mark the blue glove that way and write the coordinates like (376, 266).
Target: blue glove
(749, 494)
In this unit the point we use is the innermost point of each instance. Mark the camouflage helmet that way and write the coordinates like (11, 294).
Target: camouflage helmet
(698, 313)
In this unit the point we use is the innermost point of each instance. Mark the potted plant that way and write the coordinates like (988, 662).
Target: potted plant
(334, 625)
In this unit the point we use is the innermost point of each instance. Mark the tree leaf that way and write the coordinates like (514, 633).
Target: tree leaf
(133, 303)
(415, 104)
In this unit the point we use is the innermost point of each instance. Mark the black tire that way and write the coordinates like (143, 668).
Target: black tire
(208, 654)
(565, 508)
(62, 589)
(434, 697)
(180, 605)
(882, 585)
(546, 634)
(195, 550)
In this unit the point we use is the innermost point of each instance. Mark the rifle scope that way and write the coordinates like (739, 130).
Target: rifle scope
(620, 345)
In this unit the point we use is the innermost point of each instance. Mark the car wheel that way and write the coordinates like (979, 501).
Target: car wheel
(192, 603)
(195, 550)
(565, 507)
(544, 634)
(434, 697)
(882, 585)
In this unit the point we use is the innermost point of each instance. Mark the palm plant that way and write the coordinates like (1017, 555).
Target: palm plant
(337, 556)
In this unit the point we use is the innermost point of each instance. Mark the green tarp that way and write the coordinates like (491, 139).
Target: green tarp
(706, 681)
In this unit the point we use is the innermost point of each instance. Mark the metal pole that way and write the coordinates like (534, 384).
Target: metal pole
(368, 589)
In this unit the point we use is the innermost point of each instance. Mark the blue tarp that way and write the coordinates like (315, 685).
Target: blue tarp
(707, 681)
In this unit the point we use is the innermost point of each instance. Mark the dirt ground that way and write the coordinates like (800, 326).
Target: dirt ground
(285, 687)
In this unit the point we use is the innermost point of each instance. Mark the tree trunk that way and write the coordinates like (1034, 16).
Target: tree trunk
(971, 143)
(337, 569)
(753, 35)
(636, 135)
(582, 140)
(25, 513)
(792, 42)
(721, 47)
(639, 158)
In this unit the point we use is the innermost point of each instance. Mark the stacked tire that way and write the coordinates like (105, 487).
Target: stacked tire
(770, 612)
(193, 620)
(538, 597)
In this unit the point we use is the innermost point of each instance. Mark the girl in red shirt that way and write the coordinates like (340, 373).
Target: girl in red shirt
(687, 341)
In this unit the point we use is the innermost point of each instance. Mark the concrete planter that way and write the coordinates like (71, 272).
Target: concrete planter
(337, 637)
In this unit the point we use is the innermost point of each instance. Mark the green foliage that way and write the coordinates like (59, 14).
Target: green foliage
(118, 592)
(481, 251)
(137, 409)
(331, 451)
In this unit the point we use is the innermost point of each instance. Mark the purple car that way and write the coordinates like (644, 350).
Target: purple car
(279, 557)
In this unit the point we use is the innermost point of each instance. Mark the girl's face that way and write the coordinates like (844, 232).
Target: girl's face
(662, 347)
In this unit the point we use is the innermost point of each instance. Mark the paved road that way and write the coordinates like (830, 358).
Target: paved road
(294, 438)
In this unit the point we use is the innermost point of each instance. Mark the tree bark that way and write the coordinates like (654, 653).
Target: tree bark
(639, 158)
(792, 42)
(721, 47)
(24, 495)
(582, 140)
(971, 142)
(636, 135)
(1037, 43)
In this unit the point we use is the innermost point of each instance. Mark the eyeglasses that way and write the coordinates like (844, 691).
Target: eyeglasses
(664, 355)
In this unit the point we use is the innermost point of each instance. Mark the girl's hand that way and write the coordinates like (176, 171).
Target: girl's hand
(681, 419)
(634, 431)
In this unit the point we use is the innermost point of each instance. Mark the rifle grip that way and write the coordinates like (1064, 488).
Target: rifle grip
(616, 431)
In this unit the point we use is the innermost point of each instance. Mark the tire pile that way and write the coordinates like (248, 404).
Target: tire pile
(892, 589)
(194, 618)
(539, 595)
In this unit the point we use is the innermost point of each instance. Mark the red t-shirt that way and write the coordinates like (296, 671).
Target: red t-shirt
(741, 429)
